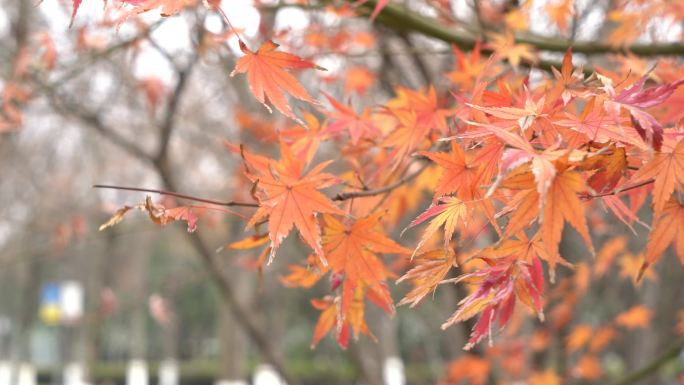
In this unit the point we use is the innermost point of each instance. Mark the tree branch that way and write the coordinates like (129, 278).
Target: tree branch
(621, 190)
(652, 366)
(417, 60)
(95, 122)
(339, 197)
(369, 193)
(162, 164)
(177, 195)
(405, 20)
(242, 314)
(172, 111)
(244, 318)
(81, 64)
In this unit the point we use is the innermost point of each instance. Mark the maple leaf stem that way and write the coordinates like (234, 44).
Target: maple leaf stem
(177, 195)
(227, 20)
(369, 193)
(621, 190)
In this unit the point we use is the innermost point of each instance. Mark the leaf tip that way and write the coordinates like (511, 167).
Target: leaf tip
(642, 270)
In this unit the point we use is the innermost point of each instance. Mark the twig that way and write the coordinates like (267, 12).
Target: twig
(61, 104)
(172, 111)
(369, 193)
(339, 197)
(81, 64)
(621, 190)
(177, 195)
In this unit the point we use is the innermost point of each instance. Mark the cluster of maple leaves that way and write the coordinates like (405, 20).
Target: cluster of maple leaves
(582, 341)
(508, 162)
(528, 156)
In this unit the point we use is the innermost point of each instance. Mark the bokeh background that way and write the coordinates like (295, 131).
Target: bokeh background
(123, 303)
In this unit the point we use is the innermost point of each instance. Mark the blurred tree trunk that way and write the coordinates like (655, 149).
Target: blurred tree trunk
(27, 271)
(234, 345)
(139, 289)
(93, 314)
(170, 338)
(367, 354)
(28, 274)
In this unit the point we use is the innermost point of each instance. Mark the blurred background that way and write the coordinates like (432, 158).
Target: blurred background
(149, 104)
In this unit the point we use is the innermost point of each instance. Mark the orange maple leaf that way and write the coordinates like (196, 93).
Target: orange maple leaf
(609, 166)
(560, 205)
(522, 117)
(547, 377)
(268, 76)
(430, 269)
(304, 276)
(415, 115)
(601, 338)
(326, 320)
(358, 79)
(463, 174)
(505, 46)
(305, 139)
(636, 317)
(499, 286)
(667, 168)
(426, 105)
(470, 69)
(578, 337)
(351, 247)
(588, 367)
(450, 213)
(249, 242)
(345, 312)
(524, 206)
(599, 127)
(525, 249)
(344, 118)
(605, 257)
(469, 367)
(407, 135)
(631, 268)
(288, 197)
(568, 82)
(563, 204)
(351, 318)
(458, 174)
(668, 228)
(560, 13)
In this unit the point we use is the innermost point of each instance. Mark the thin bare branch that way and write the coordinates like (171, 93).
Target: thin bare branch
(177, 195)
(369, 193)
(653, 366)
(621, 190)
(95, 122)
